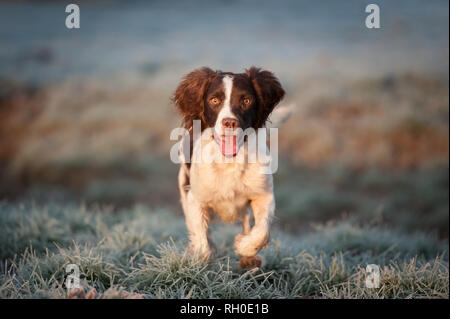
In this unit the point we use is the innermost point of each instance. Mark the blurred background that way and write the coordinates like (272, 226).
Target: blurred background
(85, 114)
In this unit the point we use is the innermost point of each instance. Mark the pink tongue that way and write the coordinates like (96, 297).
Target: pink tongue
(229, 147)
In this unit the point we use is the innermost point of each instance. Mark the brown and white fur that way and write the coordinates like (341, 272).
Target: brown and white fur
(223, 102)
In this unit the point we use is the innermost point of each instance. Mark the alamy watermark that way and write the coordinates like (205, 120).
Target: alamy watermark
(373, 19)
(73, 277)
(73, 19)
(372, 276)
(250, 146)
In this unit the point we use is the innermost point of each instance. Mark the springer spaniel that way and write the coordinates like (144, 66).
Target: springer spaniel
(226, 104)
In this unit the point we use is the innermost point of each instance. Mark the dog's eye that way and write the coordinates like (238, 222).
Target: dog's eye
(246, 101)
(214, 101)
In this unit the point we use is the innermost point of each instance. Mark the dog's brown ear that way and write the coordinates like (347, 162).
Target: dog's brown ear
(269, 92)
(189, 95)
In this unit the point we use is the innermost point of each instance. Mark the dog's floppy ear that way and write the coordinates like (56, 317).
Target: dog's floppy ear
(269, 92)
(189, 95)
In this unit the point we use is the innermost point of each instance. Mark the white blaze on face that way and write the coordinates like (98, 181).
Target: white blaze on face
(227, 139)
(226, 109)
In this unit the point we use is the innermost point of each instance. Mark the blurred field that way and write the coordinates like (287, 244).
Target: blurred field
(85, 118)
(355, 155)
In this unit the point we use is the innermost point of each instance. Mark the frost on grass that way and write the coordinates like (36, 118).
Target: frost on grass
(142, 252)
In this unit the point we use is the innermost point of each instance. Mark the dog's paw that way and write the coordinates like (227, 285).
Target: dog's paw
(251, 262)
(245, 245)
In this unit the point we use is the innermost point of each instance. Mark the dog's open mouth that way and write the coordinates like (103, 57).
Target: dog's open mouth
(229, 144)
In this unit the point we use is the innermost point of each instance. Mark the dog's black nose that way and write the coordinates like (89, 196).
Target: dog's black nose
(228, 122)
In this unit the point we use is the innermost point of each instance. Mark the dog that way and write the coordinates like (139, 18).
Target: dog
(226, 104)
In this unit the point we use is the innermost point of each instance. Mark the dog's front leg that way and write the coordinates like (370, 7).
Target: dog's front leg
(263, 208)
(197, 221)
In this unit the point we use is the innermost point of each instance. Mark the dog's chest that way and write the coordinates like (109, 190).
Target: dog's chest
(228, 187)
(218, 182)
(223, 188)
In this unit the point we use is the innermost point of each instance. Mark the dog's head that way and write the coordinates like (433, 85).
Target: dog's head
(228, 102)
